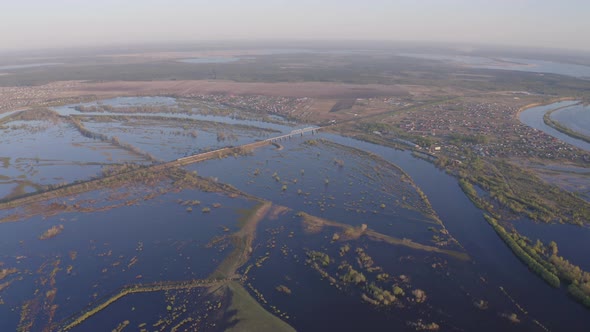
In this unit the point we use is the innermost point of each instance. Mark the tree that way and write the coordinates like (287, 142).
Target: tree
(553, 248)
(477, 164)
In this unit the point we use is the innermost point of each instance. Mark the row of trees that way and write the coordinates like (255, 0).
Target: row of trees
(545, 261)
(535, 266)
(113, 140)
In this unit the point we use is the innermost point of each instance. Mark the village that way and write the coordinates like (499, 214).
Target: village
(282, 106)
(17, 97)
(485, 129)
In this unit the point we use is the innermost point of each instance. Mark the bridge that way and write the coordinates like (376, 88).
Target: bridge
(295, 132)
(85, 186)
(219, 153)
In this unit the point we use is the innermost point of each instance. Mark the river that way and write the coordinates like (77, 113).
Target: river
(533, 117)
(492, 261)
(576, 118)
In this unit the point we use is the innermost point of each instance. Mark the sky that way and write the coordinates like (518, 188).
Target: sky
(28, 24)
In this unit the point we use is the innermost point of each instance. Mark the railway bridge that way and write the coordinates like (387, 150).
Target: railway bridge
(77, 188)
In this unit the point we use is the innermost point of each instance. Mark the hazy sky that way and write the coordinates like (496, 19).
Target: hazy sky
(58, 23)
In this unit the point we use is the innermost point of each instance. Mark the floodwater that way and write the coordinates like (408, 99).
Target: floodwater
(195, 114)
(174, 139)
(492, 262)
(129, 237)
(35, 153)
(149, 241)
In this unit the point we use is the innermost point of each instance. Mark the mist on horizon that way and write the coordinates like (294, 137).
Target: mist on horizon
(66, 23)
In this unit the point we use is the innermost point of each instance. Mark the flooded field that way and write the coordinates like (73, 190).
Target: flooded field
(90, 255)
(314, 232)
(50, 153)
(168, 139)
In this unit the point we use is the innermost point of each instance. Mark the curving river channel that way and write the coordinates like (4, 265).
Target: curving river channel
(533, 117)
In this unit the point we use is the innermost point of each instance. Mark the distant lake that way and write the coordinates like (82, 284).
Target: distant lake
(30, 65)
(210, 60)
(518, 64)
(246, 56)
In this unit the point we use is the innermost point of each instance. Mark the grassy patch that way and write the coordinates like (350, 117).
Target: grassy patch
(250, 315)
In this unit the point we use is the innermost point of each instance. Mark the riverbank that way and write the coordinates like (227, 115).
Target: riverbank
(558, 126)
(551, 101)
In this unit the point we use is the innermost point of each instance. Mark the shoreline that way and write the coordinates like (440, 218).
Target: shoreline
(563, 128)
(553, 123)
(551, 101)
